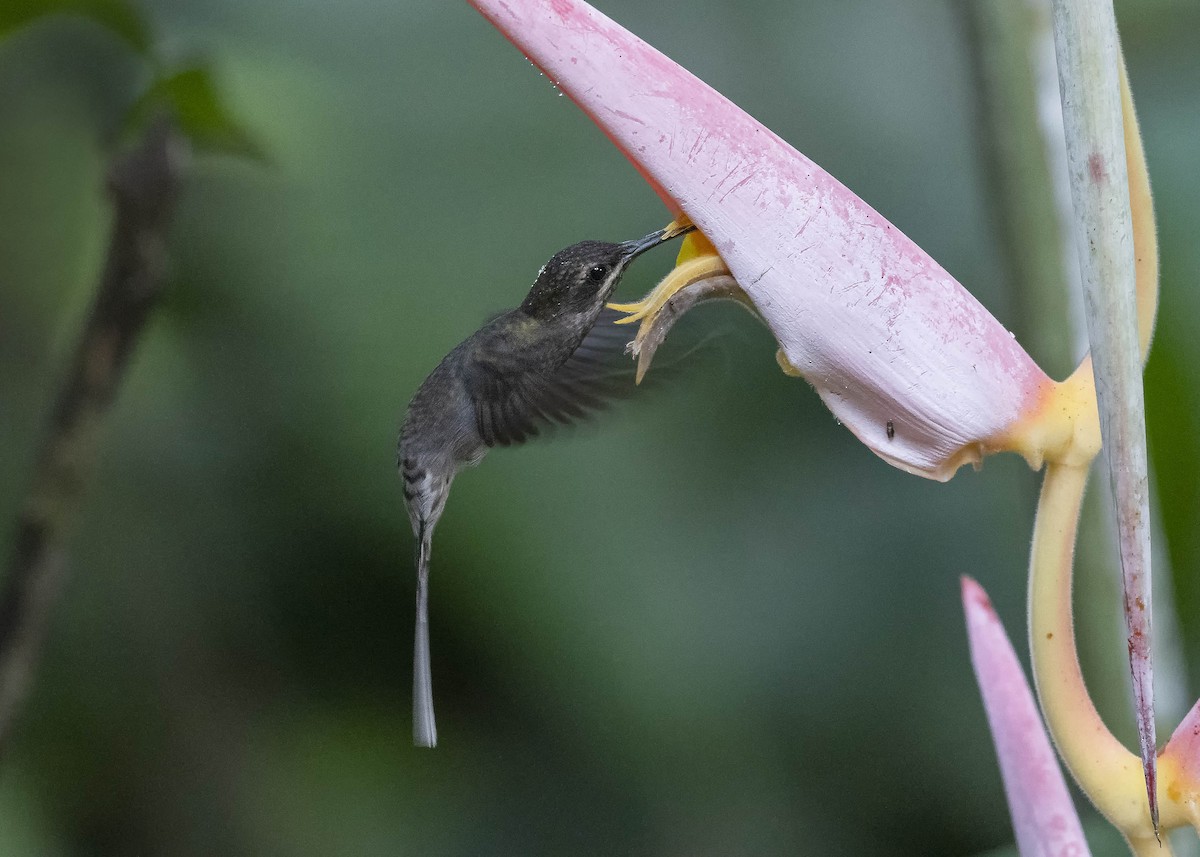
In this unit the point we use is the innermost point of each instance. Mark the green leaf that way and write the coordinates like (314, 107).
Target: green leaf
(117, 16)
(1171, 398)
(192, 98)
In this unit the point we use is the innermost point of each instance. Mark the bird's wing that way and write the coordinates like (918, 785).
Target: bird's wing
(514, 401)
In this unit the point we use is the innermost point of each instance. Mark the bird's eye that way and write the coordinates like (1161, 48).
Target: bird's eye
(598, 273)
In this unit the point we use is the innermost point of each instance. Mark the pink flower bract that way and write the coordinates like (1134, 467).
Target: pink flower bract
(882, 332)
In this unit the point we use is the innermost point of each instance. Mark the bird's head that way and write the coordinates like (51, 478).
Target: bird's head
(581, 278)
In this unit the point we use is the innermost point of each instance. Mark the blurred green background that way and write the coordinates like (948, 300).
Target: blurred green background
(712, 623)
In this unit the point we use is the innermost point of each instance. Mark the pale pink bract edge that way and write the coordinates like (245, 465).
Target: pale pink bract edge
(1043, 815)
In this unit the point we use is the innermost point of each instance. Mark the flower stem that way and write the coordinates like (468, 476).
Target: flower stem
(1090, 72)
(1108, 773)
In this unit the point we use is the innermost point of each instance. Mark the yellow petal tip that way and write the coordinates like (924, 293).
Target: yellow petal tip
(786, 365)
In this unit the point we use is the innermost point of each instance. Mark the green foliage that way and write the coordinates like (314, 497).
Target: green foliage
(193, 99)
(119, 17)
(188, 94)
(1171, 392)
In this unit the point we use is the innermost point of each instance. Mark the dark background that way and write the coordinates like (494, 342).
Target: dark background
(712, 623)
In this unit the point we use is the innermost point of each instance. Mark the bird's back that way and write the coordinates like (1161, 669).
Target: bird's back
(439, 423)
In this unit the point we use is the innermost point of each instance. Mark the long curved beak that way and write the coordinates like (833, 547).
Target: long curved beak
(638, 246)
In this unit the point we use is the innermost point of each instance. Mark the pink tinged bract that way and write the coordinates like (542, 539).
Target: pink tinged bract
(901, 353)
(1184, 751)
(1043, 815)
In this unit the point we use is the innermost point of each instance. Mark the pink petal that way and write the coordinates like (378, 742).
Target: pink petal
(1043, 815)
(901, 353)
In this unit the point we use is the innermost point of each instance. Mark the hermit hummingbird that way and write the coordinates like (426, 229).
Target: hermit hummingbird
(545, 362)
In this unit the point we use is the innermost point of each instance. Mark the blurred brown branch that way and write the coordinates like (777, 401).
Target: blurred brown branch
(144, 185)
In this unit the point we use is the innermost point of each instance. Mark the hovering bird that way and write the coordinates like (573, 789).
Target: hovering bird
(545, 362)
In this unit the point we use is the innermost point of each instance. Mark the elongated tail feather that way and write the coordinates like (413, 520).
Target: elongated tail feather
(424, 725)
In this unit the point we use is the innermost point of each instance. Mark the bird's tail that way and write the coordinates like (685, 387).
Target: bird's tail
(424, 725)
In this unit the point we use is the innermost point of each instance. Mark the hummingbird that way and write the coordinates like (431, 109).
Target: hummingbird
(548, 361)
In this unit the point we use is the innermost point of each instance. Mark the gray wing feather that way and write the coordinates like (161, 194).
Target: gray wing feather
(512, 407)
